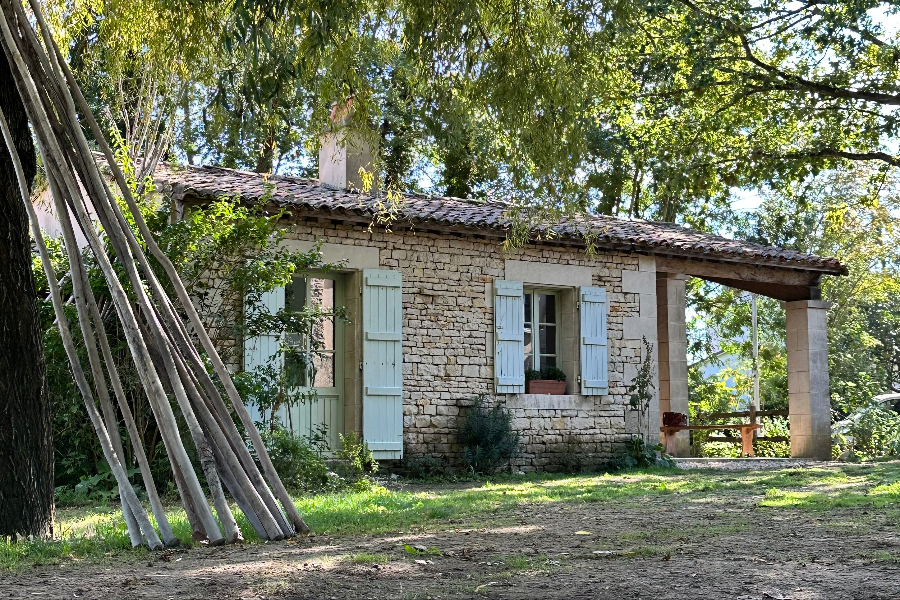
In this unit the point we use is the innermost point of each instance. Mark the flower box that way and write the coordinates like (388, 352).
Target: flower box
(545, 386)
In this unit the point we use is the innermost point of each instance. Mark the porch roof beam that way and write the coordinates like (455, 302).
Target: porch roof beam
(780, 283)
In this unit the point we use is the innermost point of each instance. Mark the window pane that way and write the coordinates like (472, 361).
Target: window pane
(529, 349)
(323, 335)
(528, 296)
(548, 361)
(547, 342)
(547, 308)
(324, 365)
(321, 292)
(295, 294)
(295, 374)
(529, 362)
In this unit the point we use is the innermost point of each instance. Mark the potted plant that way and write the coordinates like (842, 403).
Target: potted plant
(549, 380)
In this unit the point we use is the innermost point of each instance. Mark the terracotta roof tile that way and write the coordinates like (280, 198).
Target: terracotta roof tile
(651, 237)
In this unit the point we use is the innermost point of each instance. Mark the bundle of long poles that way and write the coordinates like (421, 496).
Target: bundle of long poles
(160, 345)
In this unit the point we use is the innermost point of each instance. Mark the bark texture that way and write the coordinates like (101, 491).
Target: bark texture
(26, 449)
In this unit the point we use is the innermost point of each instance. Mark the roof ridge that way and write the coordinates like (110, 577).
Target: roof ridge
(320, 183)
(209, 181)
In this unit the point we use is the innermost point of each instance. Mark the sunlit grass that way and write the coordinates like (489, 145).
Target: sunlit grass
(95, 533)
(368, 558)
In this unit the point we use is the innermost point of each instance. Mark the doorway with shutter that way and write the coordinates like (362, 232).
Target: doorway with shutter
(319, 416)
(364, 397)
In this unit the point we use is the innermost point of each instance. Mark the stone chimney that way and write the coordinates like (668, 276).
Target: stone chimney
(343, 151)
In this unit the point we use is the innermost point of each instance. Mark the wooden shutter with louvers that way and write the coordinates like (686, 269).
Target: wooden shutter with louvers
(594, 347)
(383, 363)
(509, 337)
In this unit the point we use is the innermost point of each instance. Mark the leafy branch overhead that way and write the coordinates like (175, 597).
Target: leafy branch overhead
(646, 109)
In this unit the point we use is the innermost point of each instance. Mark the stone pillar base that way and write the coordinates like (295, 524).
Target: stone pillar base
(808, 388)
(672, 334)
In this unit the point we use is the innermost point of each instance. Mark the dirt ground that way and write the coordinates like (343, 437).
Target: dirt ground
(716, 545)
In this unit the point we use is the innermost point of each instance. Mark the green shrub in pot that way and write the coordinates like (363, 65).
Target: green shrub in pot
(552, 373)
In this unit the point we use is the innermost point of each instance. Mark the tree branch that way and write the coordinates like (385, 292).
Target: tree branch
(890, 159)
(791, 79)
(819, 88)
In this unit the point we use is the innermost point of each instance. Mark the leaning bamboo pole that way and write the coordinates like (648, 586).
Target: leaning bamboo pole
(140, 518)
(194, 319)
(79, 283)
(158, 341)
(156, 290)
(188, 306)
(159, 512)
(66, 192)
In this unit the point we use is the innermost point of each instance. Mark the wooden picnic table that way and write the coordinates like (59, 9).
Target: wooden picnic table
(746, 429)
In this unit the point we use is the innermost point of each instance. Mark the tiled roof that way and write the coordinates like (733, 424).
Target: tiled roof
(643, 236)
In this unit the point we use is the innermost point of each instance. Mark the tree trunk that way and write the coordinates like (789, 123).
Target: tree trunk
(26, 448)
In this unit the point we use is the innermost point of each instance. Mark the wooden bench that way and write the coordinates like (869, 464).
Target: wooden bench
(747, 429)
(746, 435)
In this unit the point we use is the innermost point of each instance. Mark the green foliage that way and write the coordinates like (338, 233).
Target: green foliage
(99, 489)
(640, 391)
(868, 432)
(488, 438)
(637, 454)
(228, 255)
(572, 458)
(553, 373)
(849, 214)
(698, 98)
(357, 460)
(300, 467)
(223, 252)
(532, 374)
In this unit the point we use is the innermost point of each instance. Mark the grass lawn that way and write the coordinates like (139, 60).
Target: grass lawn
(99, 532)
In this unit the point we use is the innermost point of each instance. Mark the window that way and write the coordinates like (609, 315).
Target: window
(541, 329)
(312, 361)
(536, 328)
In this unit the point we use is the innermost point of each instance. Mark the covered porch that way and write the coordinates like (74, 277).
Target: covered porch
(797, 289)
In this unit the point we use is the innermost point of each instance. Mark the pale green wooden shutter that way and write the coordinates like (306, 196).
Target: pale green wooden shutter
(594, 346)
(383, 363)
(262, 350)
(509, 337)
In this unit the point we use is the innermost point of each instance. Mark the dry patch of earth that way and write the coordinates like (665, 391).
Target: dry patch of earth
(716, 544)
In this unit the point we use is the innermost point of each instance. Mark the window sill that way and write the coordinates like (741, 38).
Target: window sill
(551, 402)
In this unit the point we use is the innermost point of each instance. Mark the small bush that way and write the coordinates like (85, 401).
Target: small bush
(295, 460)
(488, 438)
(553, 373)
(356, 461)
(869, 432)
(100, 489)
(637, 454)
(532, 374)
(571, 460)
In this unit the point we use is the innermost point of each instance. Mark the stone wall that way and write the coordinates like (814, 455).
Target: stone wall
(448, 341)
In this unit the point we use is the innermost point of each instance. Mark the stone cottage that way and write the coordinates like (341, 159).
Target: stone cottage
(440, 313)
